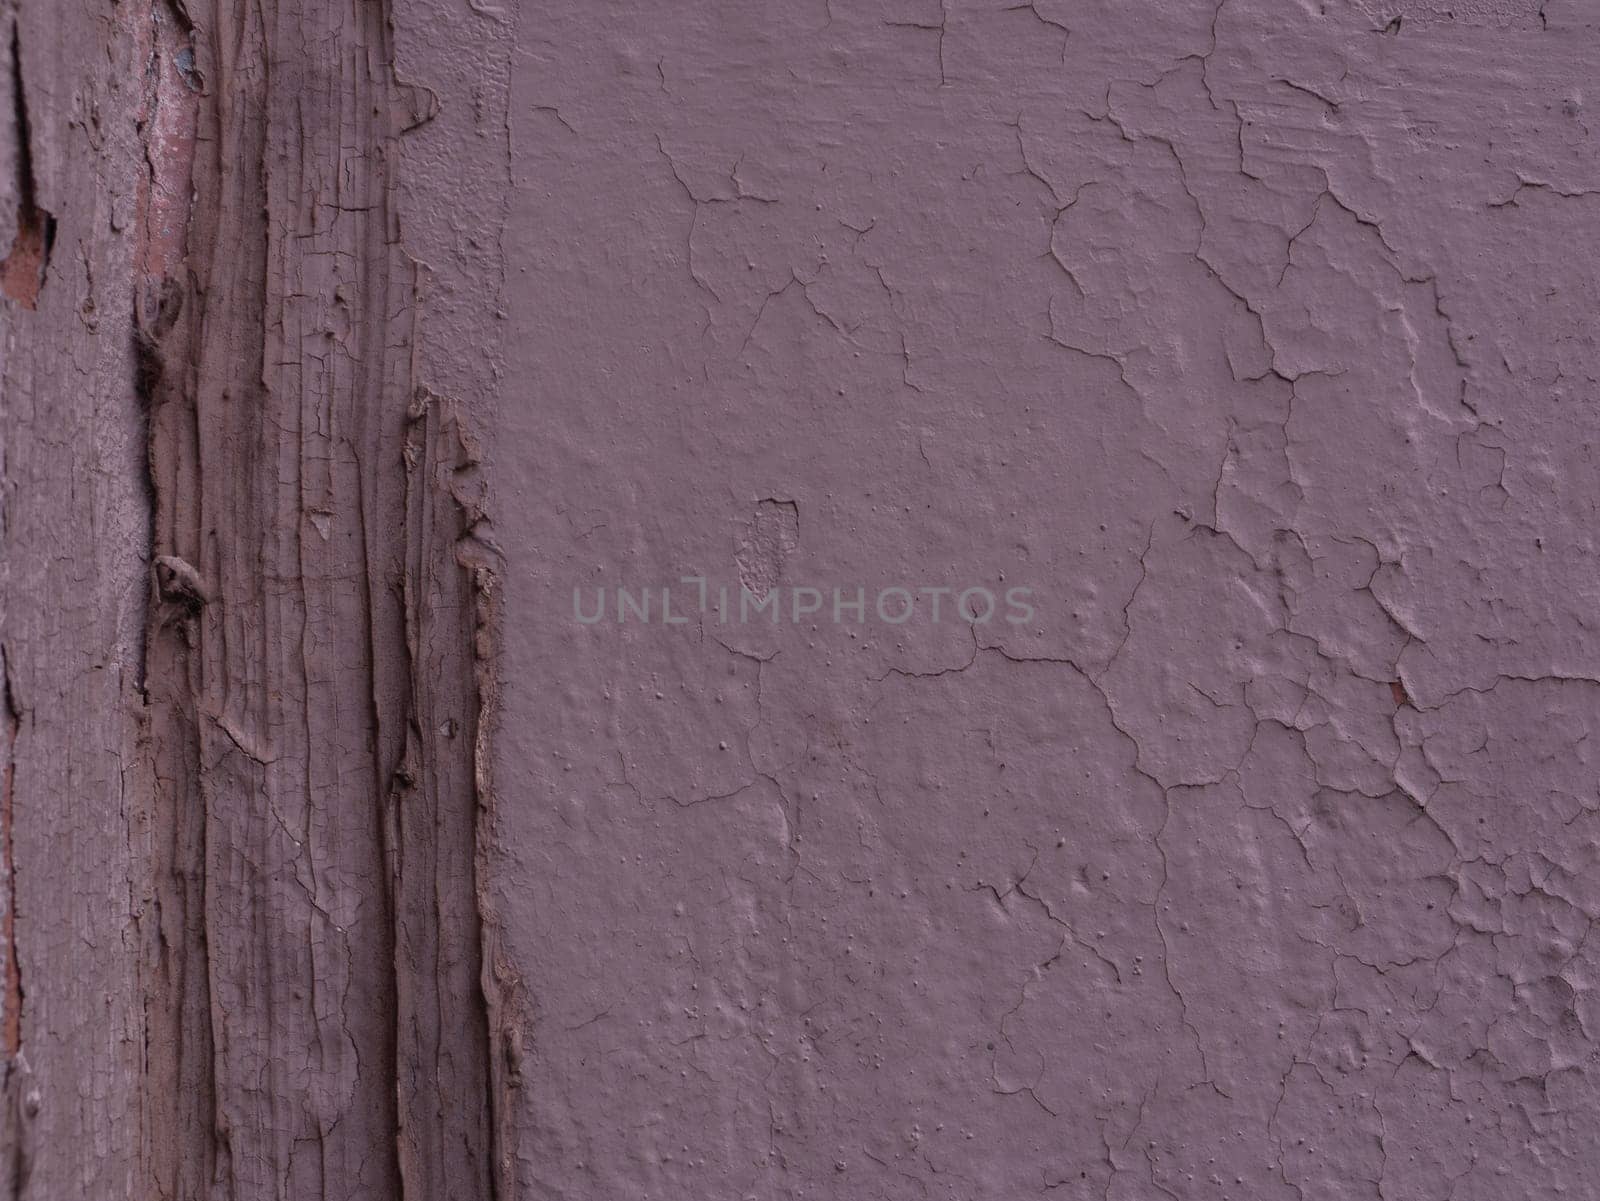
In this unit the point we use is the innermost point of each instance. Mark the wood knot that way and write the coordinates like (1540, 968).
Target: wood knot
(179, 583)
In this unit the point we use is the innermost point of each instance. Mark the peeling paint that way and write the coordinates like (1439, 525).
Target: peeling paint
(1253, 341)
(1251, 338)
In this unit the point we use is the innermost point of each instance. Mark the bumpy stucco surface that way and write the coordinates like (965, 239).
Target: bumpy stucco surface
(1255, 339)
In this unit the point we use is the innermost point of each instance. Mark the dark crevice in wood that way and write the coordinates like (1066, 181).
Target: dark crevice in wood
(22, 271)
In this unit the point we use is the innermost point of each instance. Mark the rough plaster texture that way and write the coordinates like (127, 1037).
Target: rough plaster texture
(342, 856)
(1256, 339)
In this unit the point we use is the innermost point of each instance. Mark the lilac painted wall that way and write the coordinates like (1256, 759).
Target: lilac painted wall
(1255, 340)
(1090, 507)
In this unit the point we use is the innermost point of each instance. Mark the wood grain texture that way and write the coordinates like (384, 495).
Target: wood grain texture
(75, 528)
(249, 605)
(312, 660)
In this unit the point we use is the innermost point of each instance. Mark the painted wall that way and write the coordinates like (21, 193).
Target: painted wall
(1254, 340)
(851, 598)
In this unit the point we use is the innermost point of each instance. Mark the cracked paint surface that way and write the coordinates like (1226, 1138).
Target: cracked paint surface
(344, 345)
(1255, 339)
